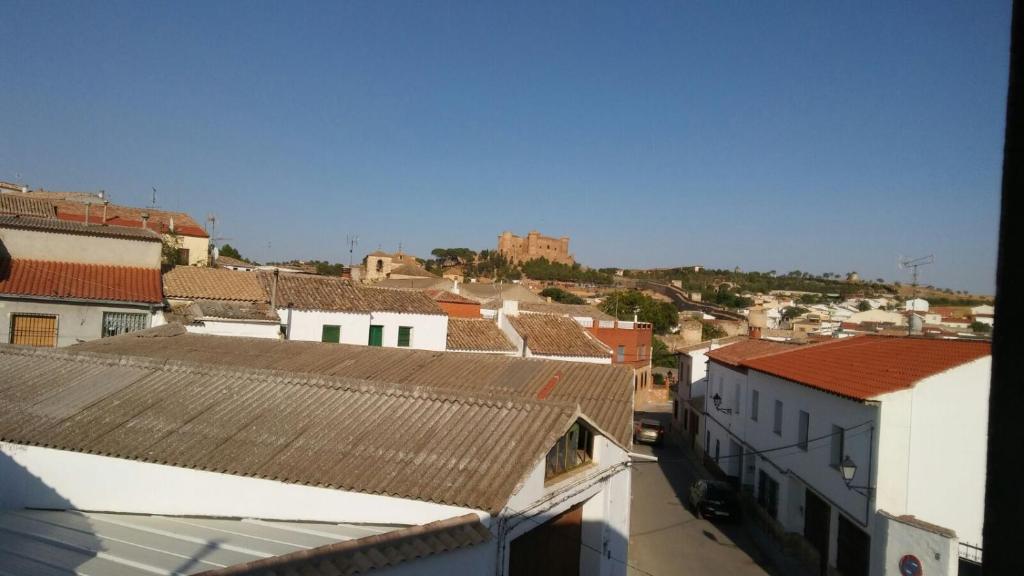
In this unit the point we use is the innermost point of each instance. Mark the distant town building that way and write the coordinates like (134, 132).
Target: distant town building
(519, 249)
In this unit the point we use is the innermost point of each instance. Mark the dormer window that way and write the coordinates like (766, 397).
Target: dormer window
(380, 265)
(572, 450)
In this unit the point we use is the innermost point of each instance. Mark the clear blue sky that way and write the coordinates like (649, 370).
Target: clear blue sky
(821, 136)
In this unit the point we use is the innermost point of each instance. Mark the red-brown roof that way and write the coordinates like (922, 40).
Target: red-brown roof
(446, 296)
(72, 206)
(80, 281)
(735, 354)
(864, 367)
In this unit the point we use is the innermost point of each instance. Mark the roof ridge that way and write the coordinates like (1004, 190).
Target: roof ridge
(90, 264)
(357, 385)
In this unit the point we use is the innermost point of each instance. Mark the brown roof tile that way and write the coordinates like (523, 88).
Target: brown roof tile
(72, 206)
(574, 310)
(65, 227)
(339, 295)
(192, 283)
(477, 335)
(382, 438)
(604, 393)
(549, 335)
(446, 296)
(26, 206)
(76, 281)
(734, 354)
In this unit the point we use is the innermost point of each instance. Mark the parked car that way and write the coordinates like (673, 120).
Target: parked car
(649, 431)
(714, 499)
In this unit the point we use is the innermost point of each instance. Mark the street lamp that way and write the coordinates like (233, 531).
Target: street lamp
(717, 399)
(848, 469)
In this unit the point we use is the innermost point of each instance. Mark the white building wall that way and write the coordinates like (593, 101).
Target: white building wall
(237, 328)
(429, 332)
(76, 322)
(91, 482)
(80, 248)
(949, 423)
(896, 538)
(479, 559)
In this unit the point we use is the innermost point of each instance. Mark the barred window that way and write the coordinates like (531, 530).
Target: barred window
(115, 323)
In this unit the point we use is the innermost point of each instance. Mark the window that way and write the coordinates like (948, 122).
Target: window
(572, 450)
(718, 447)
(404, 336)
(805, 425)
(115, 323)
(376, 335)
(183, 256)
(330, 333)
(753, 404)
(736, 401)
(34, 330)
(380, 265)
(837, 446)
(777, 425)
(621, 354)
(768, 494)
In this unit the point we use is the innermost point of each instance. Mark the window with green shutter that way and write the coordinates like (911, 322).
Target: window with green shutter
(404, 336)
(330, 334)
(376, 335)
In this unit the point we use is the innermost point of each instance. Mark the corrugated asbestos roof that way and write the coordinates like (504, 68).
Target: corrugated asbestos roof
(371, 552)
(864, 367)
(50, 542)
(411, 442)
(26, 206)
(604, 393)
(54, 225)
(191, 282)
(339, 295)
(80, 281)
(477, 335)
(550, 335)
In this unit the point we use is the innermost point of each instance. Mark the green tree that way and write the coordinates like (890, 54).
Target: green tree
(709, 331)
(169, 250)
(559, 295)
(230, 251)
(863, 306)
(660, 354)
(622, 304)
(794, 312)
(980, 327)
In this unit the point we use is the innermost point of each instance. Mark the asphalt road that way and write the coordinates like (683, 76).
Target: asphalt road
(665, 538)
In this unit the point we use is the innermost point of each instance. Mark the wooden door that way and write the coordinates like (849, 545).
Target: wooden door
(816, 525)
(552, 549)
(32, 330)
(852, 549)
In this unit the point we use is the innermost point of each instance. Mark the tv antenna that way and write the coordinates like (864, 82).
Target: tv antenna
(913, 264)
(153, 202)
(352, 240)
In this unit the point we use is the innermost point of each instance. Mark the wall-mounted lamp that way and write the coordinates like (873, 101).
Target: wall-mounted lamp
(848, 469)
(717, 400)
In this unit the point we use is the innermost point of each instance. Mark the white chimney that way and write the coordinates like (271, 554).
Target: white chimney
(510, 307)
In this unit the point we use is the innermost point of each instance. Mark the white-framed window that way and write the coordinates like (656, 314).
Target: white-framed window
(115, 323)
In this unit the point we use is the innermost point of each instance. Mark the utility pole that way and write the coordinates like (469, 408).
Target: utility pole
(352, 240)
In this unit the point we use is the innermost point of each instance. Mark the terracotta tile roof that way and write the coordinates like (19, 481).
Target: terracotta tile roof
(412, 442)
(338, 295)
(491, 295)
(864, 367)
(26, 206)
(574, 310)
(477, 335)
(549, 335)
(604, 393)
(446, 296)
(223, 261)
(79, 281)
(64, 227)
(72, 206)
(414, 270)
(734, 354)
(195, 283)
(234, 310)
(415, 283)
(370, 553)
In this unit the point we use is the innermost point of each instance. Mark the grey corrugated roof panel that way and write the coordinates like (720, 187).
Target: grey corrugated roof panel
(44, 542)
(400, 439)
(603, 392)
(58, 226)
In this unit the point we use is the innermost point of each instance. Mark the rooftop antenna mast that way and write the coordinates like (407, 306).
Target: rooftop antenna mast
(914, 264)
(352, 241)
(153, 202)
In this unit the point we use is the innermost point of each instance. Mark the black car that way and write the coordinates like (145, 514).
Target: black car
(714, 499)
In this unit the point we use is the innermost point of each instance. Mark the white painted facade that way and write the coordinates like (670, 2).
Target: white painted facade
(77, 321)
(80, 248)
(429, 331)
(916, 305)
(227, 327)
(902, 443)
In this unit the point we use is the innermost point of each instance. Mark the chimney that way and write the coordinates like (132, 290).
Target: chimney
(525, 338)
(754, 332)
(145, 219)
(105, 202)
(87, 206)
(172, 224)
(510, 307)
(273, 290)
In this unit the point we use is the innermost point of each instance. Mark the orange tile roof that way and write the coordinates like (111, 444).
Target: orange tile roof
(72, 206)
(864, 367)
(734, 354)
(79, 281)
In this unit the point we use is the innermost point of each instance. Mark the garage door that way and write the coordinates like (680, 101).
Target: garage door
(552, 549)
(33, 330)
(853, 549)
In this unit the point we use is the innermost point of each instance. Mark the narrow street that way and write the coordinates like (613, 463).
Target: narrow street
(665, 537)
